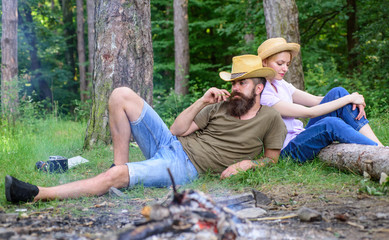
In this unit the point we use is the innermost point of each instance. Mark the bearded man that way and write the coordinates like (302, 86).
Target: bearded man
(221, 132)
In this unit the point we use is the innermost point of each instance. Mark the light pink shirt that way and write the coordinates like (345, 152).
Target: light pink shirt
(284, 92)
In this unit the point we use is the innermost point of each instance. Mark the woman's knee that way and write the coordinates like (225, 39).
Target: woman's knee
(340, 91)
(334, 93)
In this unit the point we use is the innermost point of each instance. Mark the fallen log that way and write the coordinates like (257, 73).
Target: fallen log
(357, 158)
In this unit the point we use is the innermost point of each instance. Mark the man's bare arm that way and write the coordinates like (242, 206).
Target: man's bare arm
(184, 124)
(270, 157)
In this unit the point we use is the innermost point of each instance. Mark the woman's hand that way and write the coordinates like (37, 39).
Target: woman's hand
(360, 103)
(361, 113)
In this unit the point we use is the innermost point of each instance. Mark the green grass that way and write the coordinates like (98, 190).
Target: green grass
(26, 143)
(381, 128)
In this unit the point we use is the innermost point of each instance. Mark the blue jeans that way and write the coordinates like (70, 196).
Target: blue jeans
(162, 150)
(339, 125)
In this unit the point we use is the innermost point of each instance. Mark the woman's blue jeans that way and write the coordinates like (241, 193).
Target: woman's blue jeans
(321, 131)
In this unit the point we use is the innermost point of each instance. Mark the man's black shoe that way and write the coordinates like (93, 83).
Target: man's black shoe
(18, 191)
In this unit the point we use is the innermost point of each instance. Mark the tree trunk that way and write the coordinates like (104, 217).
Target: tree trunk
(357, 158)
(281, 17)
(90, 8)
(9, 60)
(81, 51)
(351, 40)
(27, 25)
(181, 46)
(123, 57)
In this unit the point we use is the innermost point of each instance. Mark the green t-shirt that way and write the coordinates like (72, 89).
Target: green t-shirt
(224, 140)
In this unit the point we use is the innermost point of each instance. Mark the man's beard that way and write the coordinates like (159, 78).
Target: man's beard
(237, 107)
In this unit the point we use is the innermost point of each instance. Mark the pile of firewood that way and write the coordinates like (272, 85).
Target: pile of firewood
(189, 211)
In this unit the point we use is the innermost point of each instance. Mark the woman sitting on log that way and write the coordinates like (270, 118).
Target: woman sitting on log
(338, 116)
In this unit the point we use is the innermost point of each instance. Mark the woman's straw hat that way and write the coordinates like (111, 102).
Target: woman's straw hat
(247, 66)
(277, 45)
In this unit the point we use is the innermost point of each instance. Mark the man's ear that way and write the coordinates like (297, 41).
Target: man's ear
(259, 88)
(264, 62)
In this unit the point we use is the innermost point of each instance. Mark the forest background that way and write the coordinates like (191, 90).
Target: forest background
(218, 30)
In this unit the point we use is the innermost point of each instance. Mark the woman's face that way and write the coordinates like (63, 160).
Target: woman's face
(279, 62)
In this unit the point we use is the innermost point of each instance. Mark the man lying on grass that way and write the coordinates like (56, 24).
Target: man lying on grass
(221, 132)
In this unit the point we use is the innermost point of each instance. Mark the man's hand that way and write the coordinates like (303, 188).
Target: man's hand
(215, 95)
(237, 167)
(270, 157)
(184, 123)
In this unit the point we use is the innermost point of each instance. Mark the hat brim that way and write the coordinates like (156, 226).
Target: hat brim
(294, 48)
(265, 72)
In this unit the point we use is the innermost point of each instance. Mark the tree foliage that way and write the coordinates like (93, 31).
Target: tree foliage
(48, 27)
(324, 48)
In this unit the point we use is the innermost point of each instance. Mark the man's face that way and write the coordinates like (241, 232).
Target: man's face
(242, 97)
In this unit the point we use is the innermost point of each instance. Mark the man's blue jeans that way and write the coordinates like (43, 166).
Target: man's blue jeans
(321, 131)
(162, 150)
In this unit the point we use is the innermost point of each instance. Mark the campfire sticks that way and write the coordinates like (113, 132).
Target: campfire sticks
(189, 210)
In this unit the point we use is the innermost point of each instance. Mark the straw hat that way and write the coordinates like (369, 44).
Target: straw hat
(277, 45)
(247, 66)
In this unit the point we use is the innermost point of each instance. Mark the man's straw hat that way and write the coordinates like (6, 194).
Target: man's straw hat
(277, 45)
(247, 66)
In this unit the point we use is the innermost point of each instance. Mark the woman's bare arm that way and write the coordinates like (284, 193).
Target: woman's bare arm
(287, 109)
(306, 99)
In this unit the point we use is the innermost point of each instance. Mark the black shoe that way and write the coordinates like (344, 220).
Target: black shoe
(18, 191)
(113, 165)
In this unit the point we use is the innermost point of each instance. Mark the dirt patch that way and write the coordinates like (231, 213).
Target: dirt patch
(353, 216)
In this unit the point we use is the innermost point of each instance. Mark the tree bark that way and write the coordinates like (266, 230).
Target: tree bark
(357, 158)
(123, 57)
(81, 51)
(281, 17)
(90, 8)
(9, 60)
(181, 46)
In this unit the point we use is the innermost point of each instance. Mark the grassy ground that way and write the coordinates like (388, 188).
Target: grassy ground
(27, 143)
